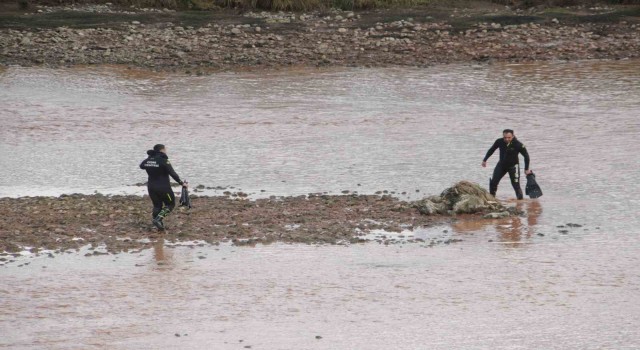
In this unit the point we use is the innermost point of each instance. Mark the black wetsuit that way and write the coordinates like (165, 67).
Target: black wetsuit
(159, 169)
(509, 163)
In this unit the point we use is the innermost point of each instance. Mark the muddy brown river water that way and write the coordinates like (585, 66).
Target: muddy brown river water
(520, 283)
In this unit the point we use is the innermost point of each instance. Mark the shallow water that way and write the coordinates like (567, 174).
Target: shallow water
(510, 284)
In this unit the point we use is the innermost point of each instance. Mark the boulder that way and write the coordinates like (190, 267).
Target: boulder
(428, 207)
(470, 204)
(462, 198)
(497, 215)
(455, 193)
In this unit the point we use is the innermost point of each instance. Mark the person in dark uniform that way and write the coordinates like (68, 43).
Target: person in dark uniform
(159, 169)
(509, 162)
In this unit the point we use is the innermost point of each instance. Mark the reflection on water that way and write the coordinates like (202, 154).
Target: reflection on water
(512, 230)
(555, 294)
(529, 282)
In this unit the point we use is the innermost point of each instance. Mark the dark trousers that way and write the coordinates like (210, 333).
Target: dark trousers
(514, 176)
(163, 202)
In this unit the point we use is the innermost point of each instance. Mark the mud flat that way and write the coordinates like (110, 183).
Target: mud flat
(119, 224)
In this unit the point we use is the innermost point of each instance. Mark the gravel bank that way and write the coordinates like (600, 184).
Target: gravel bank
(268, 40)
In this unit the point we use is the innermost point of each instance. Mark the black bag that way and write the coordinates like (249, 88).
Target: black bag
(185, 201)
(532, 189)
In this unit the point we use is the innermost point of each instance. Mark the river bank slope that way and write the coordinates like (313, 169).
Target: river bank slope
(201, 42)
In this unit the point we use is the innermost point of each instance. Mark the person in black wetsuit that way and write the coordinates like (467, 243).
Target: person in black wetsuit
(159, 169)
(509, 162)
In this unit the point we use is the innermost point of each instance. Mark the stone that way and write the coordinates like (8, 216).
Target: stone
(428, 207)
(497, 215)
(469, 204)
(342, 30)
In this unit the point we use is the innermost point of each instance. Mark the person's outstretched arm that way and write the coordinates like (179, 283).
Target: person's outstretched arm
(489, 153)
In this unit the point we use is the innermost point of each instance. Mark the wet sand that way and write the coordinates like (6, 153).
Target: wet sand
(123, 223)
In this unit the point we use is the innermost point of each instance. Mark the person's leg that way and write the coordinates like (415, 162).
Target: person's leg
(169, 200)
(514, 176)
(498, 174)
(156, 199)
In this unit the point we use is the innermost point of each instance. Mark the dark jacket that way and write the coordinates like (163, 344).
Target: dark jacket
(509, 153)
(159, 168)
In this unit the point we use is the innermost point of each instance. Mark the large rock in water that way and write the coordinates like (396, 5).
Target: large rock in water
(469, 204)
(462, 198)
(431, 206)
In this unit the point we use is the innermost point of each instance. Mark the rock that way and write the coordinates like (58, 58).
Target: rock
(135, 23)
(469, 204)
(497, 215)
(258, 29)
(555, 20)
(25, 41)
(428, 207)
(236, 31)
(342, 30)
(454, 194)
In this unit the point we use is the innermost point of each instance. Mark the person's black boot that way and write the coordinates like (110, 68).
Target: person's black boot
(519, 194)
(157, 222)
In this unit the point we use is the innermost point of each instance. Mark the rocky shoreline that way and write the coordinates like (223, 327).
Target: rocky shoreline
(229, 41)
